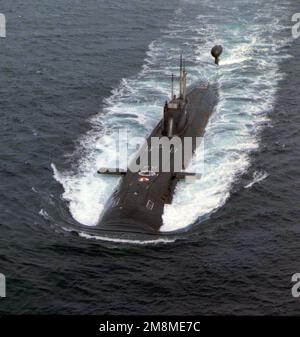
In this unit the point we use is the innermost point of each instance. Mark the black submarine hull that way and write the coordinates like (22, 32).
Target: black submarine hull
(137, 205)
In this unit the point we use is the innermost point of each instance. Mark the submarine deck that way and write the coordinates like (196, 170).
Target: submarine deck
(137, 204)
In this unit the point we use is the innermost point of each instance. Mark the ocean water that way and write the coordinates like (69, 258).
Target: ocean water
(71, 72)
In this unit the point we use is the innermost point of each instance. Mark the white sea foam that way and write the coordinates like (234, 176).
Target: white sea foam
(44, 214)
(127, 241)
(247, 80)
(258, 176)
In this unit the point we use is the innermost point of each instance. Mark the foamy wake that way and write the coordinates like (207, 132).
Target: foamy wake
(127, 241)
(247, 80)
(258, 176)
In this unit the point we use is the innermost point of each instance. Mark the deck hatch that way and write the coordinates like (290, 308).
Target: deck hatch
(150, 205)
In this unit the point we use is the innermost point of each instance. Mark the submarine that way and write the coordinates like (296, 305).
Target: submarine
(137, 204)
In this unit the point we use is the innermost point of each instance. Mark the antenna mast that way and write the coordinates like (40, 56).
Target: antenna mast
(180, 77)
(172, 87)
(184, 81)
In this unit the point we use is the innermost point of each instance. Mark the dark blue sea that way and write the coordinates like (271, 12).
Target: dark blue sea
(72, 70)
